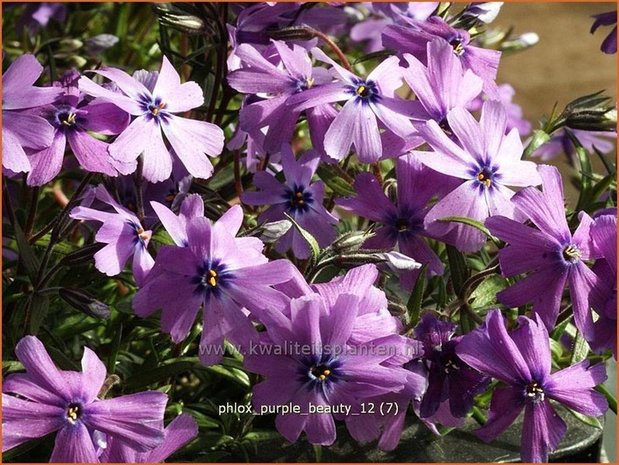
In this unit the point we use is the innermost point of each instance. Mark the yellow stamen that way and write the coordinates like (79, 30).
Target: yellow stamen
(72, 413)
(361, 90)
(309, 82)
(322, 377)
(327, 372)
(70, 121)
(212, 281)
(481, 177)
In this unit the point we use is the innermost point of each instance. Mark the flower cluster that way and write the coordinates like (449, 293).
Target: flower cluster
(262, 221)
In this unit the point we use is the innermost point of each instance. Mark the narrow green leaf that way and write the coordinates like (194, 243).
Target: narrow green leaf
(587, 420)
(334, 181)
(485, 294)
(457, 265)
(145, 378)
(39, 306)
(469, 222)
(580, 350)
(26, 254)
(416, 298)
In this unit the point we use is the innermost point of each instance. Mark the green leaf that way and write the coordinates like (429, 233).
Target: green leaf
(457, 265)
(261, 435)
(26, 254)
(314, 247)
(581, 349)
(485, 294)
(39, 306)
(587, 420)
(334, 181)
(416, 299)
(233, 374)
(469, 222)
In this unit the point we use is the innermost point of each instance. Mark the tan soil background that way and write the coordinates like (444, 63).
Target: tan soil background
(565, 64)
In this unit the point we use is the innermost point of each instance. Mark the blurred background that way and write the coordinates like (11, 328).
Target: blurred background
(566, 63)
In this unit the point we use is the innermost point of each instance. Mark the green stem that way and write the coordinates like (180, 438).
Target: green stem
(478, 416)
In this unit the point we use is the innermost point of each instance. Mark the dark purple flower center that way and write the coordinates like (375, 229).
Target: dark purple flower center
(404, 224)
(154, 108)
(365, 91)
(571, 253)
(485, 176)
(320, 372)
(299, 199)
(65, 117)
(304, 84)
(74, 411)
(534, 391)
(458, 46)
(211, 277)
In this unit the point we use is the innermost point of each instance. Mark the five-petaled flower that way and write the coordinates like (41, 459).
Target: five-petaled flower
(155, 108)
(45, 399)
(521, 359)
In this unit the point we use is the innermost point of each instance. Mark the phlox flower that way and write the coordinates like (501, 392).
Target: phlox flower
(45, 400)
(155, 108)
(521, 359)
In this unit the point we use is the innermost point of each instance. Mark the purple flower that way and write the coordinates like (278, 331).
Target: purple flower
(21, 129)
(402, 223)
(560, 142)
(383, 14)
(176, 225)
(487, 161)
(260, 76)
(413, 39)
(521, 359)
(175, 436)
(45, 399)
(38, 15)
(298, 197)
(227, 275)
(604, 301)
(449, 378)
(607, 19)
(123, 235)
(515, 118)
(72, 118)
(367, 101)
(155, 107)
(551, 254)
(309, 361)
(441, 85)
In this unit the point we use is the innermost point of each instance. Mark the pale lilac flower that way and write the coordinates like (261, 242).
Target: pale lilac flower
(226, 275)
(45, 400)
(521, 359)
(20, 129)
(155, 109)
(72, 119)
(403, 223)
(123, 235)
(367, 102)
(175, 436)
(258, 75)
(413, 38)
(297, 196)
(604, 299)
(552, 255)
(609, 45)
(442, 84)
(487, 161)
